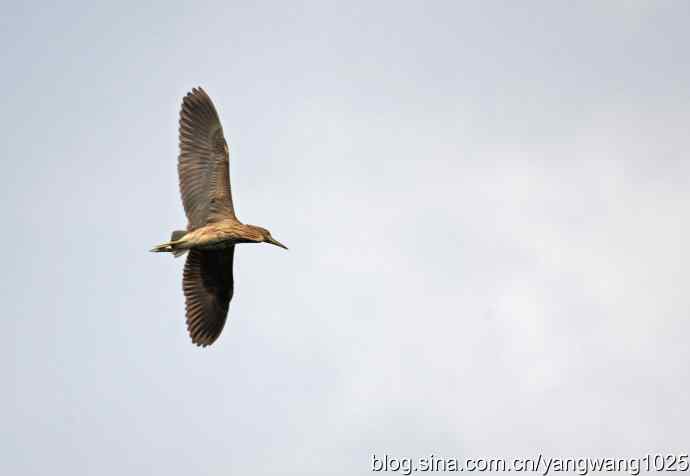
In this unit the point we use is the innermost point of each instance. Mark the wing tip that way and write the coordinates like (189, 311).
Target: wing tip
(196, 91)
(195, 102)
(202, 337)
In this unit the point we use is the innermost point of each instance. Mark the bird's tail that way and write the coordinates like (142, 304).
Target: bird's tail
(169, 247)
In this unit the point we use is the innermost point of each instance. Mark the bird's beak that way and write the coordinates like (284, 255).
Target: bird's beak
(276, 242)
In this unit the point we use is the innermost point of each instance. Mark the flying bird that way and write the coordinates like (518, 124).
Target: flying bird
(213, 230)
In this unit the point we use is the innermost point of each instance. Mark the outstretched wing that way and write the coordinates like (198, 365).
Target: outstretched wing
(208, 285)
(203, 162)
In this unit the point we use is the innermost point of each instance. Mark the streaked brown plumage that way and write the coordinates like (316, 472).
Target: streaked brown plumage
(213, 230)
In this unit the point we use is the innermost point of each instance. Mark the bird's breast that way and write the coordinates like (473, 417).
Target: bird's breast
(211, 237)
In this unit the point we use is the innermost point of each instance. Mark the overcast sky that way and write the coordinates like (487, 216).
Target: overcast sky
(486, 206)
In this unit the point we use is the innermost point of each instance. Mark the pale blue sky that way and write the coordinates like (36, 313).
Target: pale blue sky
(486, 206)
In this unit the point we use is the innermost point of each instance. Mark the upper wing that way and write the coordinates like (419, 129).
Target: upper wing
(203, 162)
(208, 286)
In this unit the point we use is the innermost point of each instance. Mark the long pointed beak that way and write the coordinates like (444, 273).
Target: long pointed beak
(276, 242)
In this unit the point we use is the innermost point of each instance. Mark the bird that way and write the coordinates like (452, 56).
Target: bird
(213, 229)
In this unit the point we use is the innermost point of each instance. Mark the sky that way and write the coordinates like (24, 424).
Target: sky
(486, 205)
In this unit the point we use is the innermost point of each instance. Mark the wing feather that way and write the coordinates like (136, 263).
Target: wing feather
(208, 287)
(203, 162)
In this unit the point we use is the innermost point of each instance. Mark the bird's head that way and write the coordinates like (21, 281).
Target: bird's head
(264, 236)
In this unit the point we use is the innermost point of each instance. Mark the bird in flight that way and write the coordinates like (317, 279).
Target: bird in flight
(213, 230)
